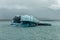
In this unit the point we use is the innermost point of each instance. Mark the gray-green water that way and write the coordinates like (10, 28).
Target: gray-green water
(9, 32)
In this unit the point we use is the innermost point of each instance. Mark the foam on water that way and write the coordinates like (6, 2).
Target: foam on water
(9, 32)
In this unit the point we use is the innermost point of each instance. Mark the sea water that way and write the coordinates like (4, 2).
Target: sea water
(10, 32)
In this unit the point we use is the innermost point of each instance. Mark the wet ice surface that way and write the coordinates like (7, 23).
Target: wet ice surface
(9, 32)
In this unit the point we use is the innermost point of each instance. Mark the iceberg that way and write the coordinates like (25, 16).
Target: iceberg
(27, 20)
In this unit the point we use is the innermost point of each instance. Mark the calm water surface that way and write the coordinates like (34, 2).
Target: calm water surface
(9, 32)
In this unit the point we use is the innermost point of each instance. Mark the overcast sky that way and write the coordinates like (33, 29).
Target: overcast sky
(39, 8)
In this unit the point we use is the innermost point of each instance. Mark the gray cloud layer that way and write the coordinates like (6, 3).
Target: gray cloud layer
(39, 8)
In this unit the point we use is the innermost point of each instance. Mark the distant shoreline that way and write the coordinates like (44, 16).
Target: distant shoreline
(5, 19)
(11, 20)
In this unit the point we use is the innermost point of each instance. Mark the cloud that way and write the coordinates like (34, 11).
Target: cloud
(12, 4)
(55, 5)
(13, 7)
(38, 8)
(22, 4)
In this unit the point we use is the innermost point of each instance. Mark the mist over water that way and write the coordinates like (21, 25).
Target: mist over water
(9, 32)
